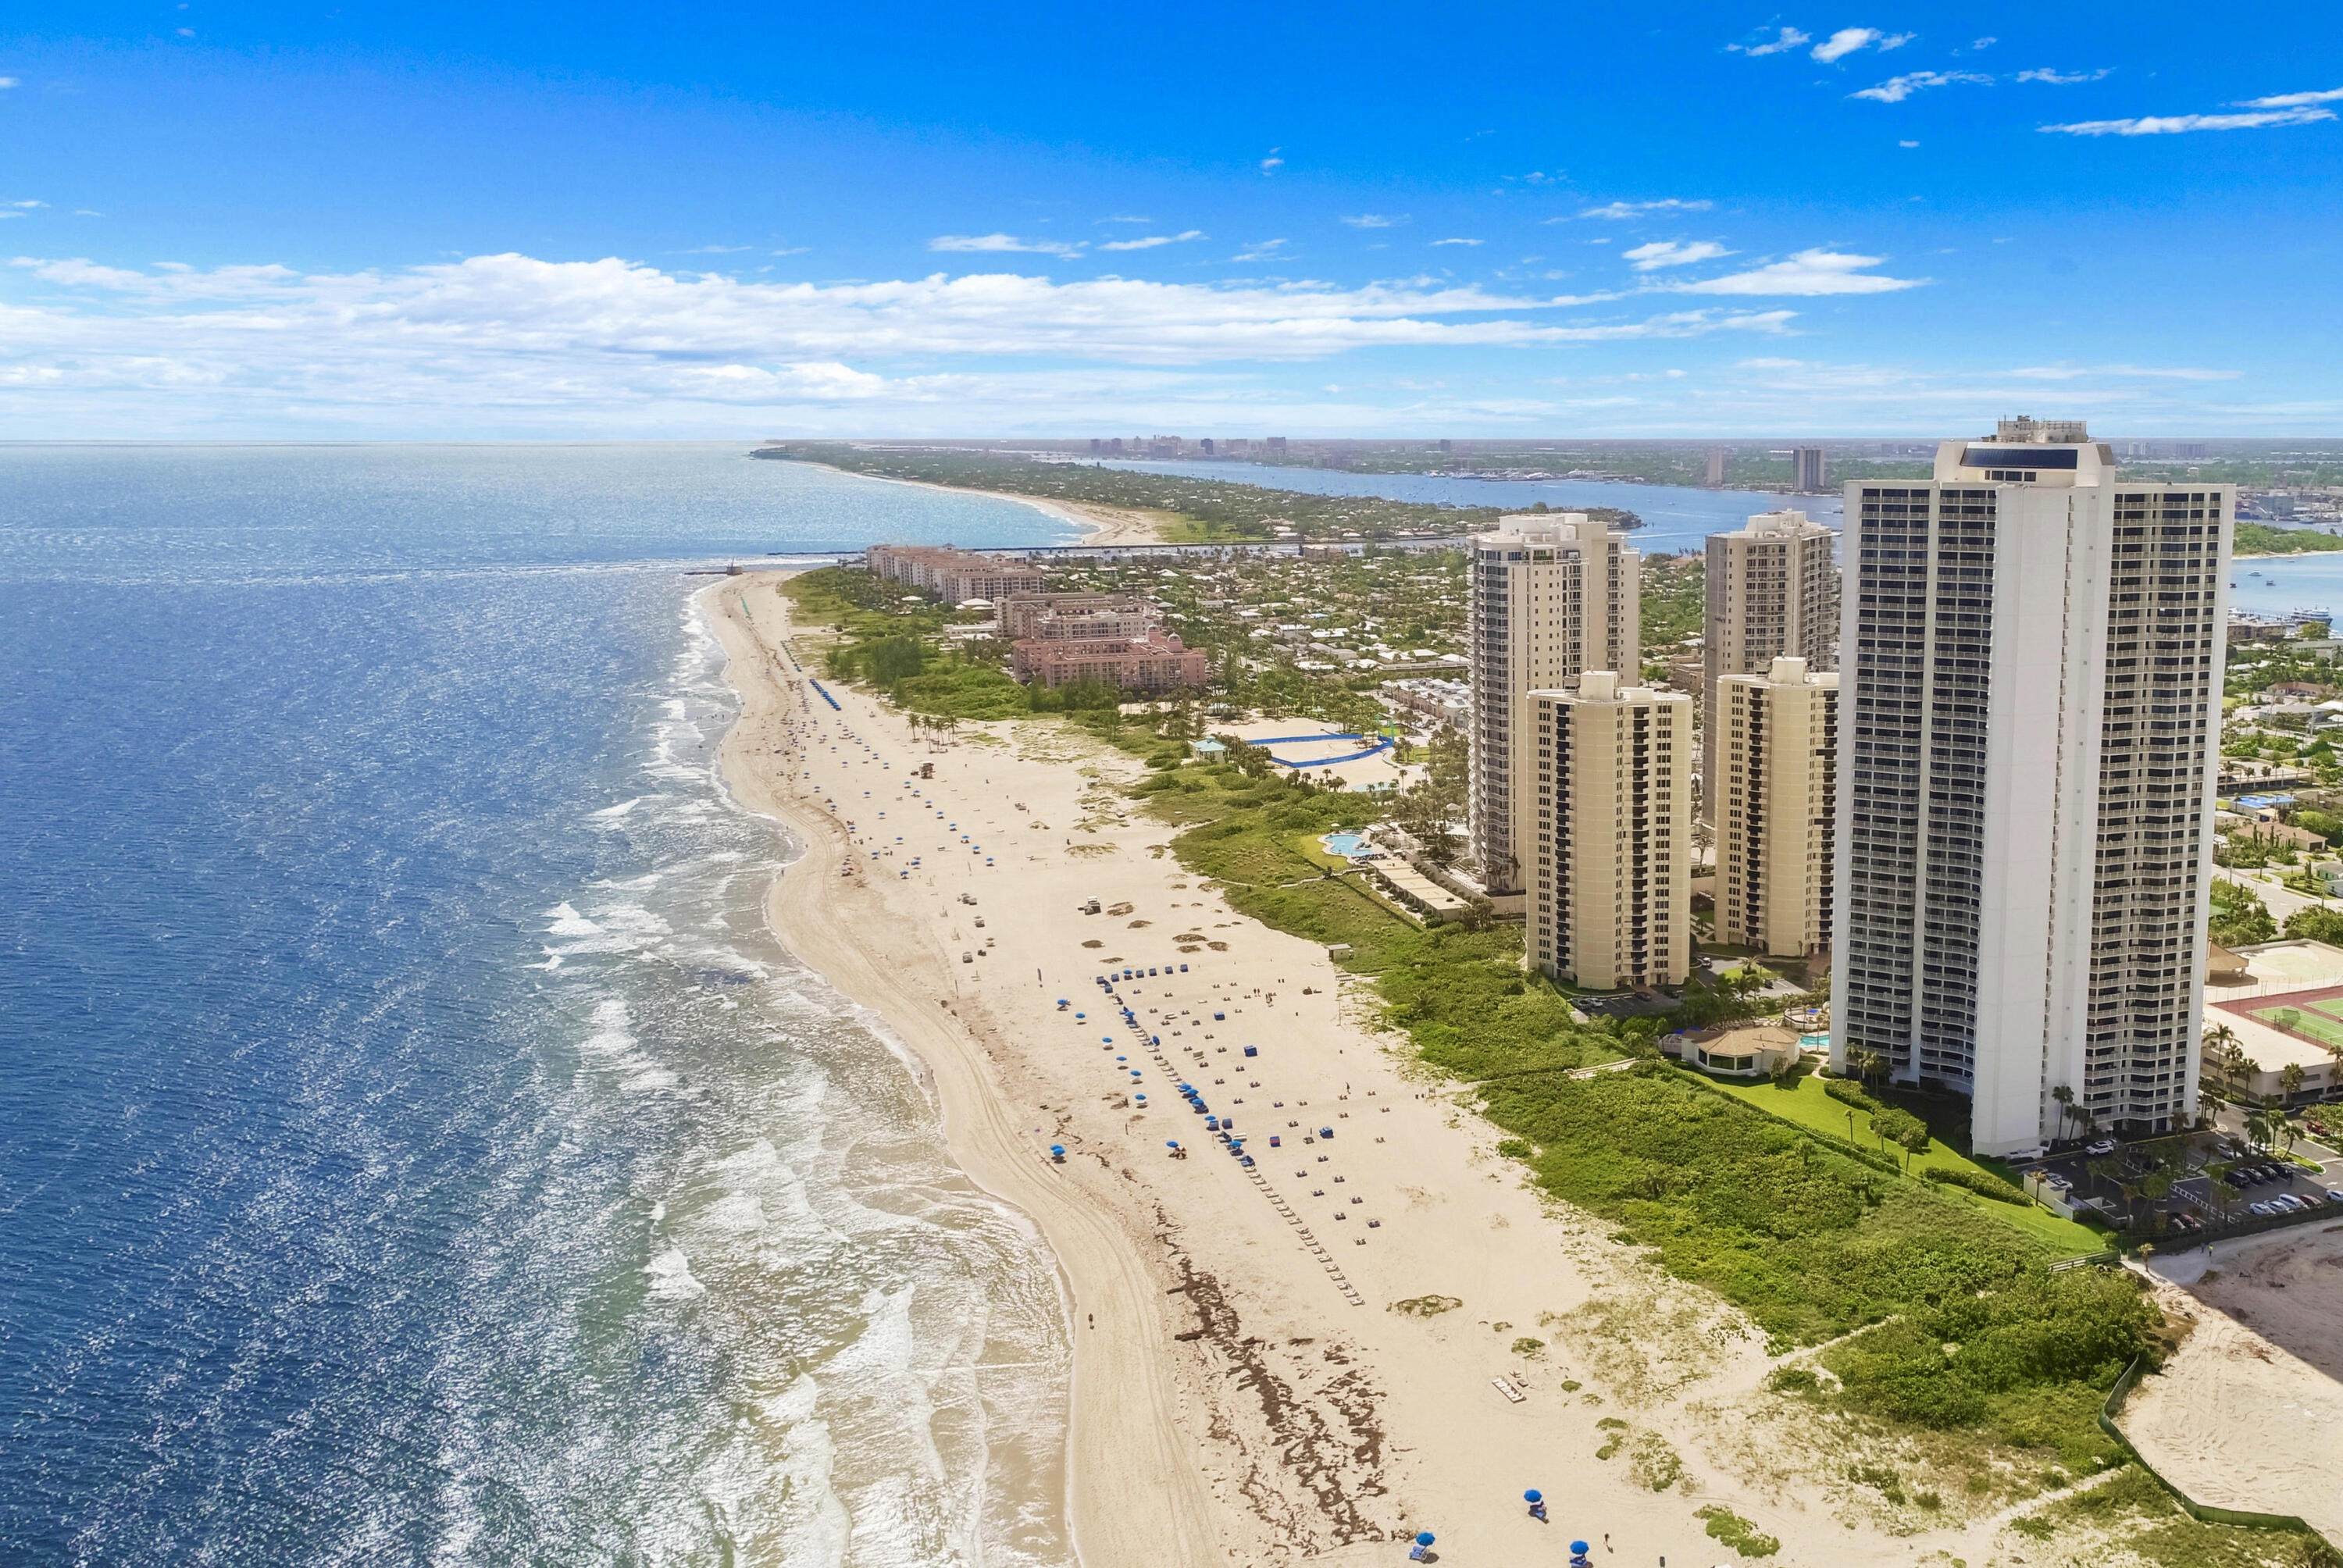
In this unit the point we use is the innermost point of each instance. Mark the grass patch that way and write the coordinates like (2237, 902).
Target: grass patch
(1806, 1103)
(2134, 1509)
(1736, 1532)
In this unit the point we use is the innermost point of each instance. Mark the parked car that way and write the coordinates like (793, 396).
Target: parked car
(2100, 1146)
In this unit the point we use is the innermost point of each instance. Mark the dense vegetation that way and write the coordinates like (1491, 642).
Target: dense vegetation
(2262, 539)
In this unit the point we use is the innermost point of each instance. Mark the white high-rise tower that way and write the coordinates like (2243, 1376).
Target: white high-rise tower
(1772, 592)
(1552, 596)
(2029, 727)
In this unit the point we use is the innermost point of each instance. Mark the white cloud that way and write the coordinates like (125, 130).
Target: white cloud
(1261, 250)
(2051, 78)
(1126, 217)
(1896, 89)
(1003, 242)
(1673, 253)
(1907, 143)
(6, 82)
(1456, 242)
(1845, 42)
(1782, 42)
(1810, 271)
(28, 205)
(1629, 209)
(1149, 242)
(2157, 373)
(1273, 162)
(1375, 220)
(1987, 42)
(2175, 124)
(2294, 100)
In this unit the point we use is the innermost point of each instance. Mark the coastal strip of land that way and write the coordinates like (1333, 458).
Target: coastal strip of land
(1378, 1327)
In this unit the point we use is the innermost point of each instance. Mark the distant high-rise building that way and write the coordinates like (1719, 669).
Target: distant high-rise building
(1163, 446)
(2029, 734)
(1610, 842)
(1207, 445)
(1552, 596)
(1446, 444)
(1114, 446)
(1097, 446)
(1777, 807)
(1277, 446)
(1773, 589)
(1713, 474)
(1814, 473)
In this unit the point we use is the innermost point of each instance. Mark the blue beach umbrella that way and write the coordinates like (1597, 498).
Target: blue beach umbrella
(1532, 1495)
(1423, 1538)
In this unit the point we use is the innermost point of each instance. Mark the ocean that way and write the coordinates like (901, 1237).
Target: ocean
(414, 1146)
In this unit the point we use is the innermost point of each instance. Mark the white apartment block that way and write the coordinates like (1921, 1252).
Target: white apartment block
(1777, 808)
(1610, 837)
(1552, 596)
(1772, 590)
(2029, 731)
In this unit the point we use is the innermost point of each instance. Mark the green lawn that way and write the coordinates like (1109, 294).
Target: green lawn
(1806, 1104)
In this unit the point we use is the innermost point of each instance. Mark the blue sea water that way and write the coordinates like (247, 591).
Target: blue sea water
(414, 1146)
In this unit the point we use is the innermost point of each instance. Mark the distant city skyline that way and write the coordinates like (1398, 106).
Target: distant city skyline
(913, 220)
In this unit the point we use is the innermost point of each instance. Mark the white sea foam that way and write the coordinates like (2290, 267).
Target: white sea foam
(612, 813)
(568, 923)
(672, 1280)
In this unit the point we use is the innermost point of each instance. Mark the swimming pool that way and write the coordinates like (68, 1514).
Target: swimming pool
(1344, 844)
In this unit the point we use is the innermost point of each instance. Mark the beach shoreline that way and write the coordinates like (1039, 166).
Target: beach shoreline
(1378, 1328)
(1099, 524)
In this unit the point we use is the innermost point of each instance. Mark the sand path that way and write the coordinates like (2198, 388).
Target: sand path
(1241, 1391)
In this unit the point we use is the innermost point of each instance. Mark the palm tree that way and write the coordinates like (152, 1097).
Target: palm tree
(2064, 1096)
(2220, 1041)
(2290, 1082)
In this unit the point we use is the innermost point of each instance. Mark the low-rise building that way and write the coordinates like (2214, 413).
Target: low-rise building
(1157, 662)
(1077, 616)
(954, 575)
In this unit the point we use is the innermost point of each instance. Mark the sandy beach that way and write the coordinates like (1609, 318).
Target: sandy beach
(1099, 525)
(1365, 1334)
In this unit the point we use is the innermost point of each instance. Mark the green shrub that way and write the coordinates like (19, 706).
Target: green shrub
(1846, 1092)
(1980, 1183)
(1901, 1126)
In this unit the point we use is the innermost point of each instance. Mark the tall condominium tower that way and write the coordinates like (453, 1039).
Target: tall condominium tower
(1773, 589)
(2028, 734)
(1777, 808)
(1609, 844)
(1812, 470)
(1552, 596)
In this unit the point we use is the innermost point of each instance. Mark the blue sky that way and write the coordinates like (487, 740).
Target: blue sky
(524, 221)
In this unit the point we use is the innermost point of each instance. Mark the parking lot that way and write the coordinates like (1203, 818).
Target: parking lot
(2165, 1186)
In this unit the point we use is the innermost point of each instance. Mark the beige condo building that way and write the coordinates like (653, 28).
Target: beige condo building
(1773, 589)
(1610, 840)
(1550, 595)
(1777, 804)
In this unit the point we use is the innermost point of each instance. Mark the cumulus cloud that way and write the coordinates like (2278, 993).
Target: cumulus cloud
(1847, 40)
(2051, 78)
(1261, 250)
(1149, 242)
(1003, 242)
(1619, 210)
(1809, 272)
(1673, 253)
(519, 341)
(1787, 39)
(2176, 125)
(1896, 89)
